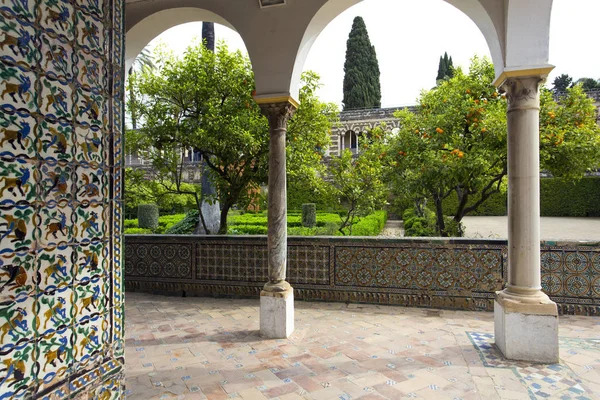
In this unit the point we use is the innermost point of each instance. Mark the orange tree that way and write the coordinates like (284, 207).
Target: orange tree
(358, 181)
(455, 144)
(569, 134)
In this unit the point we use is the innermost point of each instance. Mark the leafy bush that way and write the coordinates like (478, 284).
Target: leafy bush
(148, 216)
(419, 226)
(137, 231)
(425, 226)
(186, 225)
(309, 215)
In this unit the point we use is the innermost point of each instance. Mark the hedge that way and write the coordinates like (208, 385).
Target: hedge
(309, 215)
(246, 229)
(164, 222)
(137, 231)
(371, 225)
(570, 199)
(495, 205)
(148, 216)
(558, 198)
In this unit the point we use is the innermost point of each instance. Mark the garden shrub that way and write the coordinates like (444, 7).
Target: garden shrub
(309, 215)
(426, 225)
(419, 226)
(148, 216)
(560, 198)
(185, 226)
(371, 225)
(495, 205)
(130, 223)
(247, 230)
(137, 231)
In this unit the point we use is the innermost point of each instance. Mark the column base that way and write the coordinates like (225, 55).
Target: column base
(526, 328)
(277, 314)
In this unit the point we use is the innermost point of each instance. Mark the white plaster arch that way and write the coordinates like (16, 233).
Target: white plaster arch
(517, 32)
(144, 31)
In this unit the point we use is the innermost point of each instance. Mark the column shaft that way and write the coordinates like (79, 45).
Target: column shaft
(277, 211)
(277, 297)
(278, 115)
(525, 319)
(523, 185)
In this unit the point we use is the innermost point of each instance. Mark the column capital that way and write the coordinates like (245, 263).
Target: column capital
(278, 113)
(522, 92)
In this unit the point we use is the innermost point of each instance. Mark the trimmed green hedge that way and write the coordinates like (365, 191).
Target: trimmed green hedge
(495, 205)
(327, 224)
(371, 225)
(246, 229)
(164, 222)
(558, 198)
(570, 199)
(148, 216)
(309, 215)
(137, 231)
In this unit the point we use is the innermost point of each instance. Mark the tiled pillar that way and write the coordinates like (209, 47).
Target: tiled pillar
(526, 320)
(61, 300)
(277, 296)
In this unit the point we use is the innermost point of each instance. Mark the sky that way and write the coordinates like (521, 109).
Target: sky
(409, 38)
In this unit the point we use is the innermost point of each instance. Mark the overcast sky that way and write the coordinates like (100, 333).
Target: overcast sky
(410, 36)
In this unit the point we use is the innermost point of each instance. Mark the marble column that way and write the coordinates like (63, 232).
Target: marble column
(277, 296)
(526, 320)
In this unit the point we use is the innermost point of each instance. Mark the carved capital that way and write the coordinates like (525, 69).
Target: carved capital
(522, 93)
(278, 114)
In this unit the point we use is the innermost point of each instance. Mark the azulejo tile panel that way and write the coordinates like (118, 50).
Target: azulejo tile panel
(459, 274)
(60, 284)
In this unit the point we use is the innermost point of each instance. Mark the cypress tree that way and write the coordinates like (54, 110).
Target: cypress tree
(445, 68)
(450, 68)
(361, 70)
(441, 69)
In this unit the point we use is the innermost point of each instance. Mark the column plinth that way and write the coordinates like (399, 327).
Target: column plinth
(525, 319)
(277, 296)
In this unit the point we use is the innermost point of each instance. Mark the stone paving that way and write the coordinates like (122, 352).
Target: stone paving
(205, 348)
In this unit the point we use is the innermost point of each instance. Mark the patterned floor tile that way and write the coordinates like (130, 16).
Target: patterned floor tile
(206, 348)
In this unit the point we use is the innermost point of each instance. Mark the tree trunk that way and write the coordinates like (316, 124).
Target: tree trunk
(208, 35)
(224, 212)
(132, 102)
(439, 213)
(463, 199)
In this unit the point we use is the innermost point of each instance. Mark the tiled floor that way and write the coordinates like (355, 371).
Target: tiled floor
(204, 348)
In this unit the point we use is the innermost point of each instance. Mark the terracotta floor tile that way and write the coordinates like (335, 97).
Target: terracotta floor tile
(281, 390)
(197, 348)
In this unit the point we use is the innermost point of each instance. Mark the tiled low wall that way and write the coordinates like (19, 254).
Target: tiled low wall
(445, 273)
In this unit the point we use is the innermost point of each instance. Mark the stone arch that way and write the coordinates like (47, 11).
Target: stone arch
(349, 140)
(149, 27)
(515, 39)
